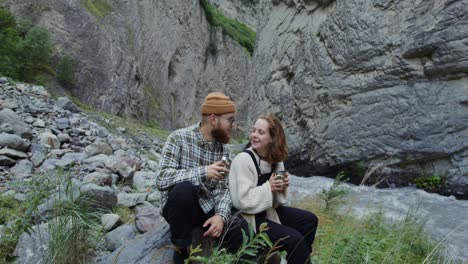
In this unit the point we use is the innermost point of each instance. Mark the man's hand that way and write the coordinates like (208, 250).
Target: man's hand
(213, 172)
(216, 224)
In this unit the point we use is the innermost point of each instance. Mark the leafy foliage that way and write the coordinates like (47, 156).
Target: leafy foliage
(233, 28)
(24, 52)
(65, 71)
(428, 182)
(333, 196)
(250, 248)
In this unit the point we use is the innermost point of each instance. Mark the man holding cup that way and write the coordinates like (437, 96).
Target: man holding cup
(192, 177)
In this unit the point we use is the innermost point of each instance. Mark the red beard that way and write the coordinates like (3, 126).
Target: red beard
(221, 135)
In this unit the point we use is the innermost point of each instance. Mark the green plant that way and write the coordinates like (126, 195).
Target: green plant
(251, 246)
(65, 71)
(34, 54)
(428, 182)
(73, 229)
(73, 232)
(343, 237)
(126, 214)
(8, 208)
(231, 27)
(99, 8)
(333, 196)
(10, 211)
(9, 39)
(8, 242)
(371, 240)
(20, 215)
(24, 50)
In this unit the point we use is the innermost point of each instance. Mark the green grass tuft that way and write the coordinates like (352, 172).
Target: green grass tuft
(8, 208)
(344, 238)
(233, 28)
(112, 122)
(21, 214)
(74, 231)
(99, 8)
(126, 214)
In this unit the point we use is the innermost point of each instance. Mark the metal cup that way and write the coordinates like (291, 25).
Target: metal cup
(280, 175)
(225, 162)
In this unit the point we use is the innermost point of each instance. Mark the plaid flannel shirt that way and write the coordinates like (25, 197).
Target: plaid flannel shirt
(185, 157)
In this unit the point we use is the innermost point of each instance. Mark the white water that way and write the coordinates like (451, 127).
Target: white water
(447, 216)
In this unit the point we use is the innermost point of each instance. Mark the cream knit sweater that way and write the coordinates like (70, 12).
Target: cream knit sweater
(249, 198)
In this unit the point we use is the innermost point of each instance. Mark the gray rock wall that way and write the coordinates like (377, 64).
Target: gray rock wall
(249, 12)
(368, 82)
(147, 59)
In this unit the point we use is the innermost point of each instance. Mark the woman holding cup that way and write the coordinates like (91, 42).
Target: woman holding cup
(259, 190)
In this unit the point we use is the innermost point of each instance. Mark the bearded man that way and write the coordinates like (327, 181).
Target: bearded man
(193, 180)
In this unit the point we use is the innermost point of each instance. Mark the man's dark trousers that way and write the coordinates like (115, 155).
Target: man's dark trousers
(183, 212)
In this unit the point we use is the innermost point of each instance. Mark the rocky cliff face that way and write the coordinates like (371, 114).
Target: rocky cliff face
(147, 59)
(359, 83)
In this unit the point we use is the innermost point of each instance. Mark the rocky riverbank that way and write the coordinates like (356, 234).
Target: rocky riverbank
(44, 137)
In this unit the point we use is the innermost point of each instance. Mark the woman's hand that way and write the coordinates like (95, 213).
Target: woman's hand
(276, 185)
(285, 182)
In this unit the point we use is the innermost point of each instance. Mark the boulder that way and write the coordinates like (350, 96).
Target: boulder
(37, 159)
(101, 196)
(6, 161)
(109, 221)
(119, 237)
(70, 159)
(144, 181)
(67, 104)
(14, 142)
(131, 199)
(151, 247)
(147, 217)
(23, 168)
(98, 148)
(19, 127)
(32, 245)
(15, 154)
(99, 178)
(50, 140)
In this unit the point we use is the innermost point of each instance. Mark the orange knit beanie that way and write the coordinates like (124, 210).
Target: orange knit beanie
(217, 103)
